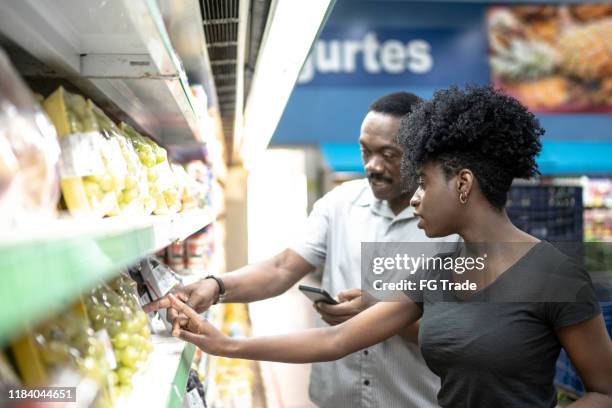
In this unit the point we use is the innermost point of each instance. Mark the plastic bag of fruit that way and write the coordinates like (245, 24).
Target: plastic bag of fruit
(29, 153)
(126, 169)
(155, 159)
(129, 331)
(87, 185)
(187, 188)
(68, 340)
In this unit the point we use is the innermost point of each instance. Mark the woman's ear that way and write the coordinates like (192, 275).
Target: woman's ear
(465, 181)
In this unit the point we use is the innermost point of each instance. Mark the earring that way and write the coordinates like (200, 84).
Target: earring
(463, 197)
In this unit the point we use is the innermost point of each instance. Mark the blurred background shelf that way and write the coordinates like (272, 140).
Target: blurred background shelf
(43, 270)
(117, 52)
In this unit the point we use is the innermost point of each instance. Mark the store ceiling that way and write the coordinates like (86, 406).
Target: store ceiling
(221, 21)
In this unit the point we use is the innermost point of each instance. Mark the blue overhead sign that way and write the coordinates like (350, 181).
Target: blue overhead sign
(370, 48)
(375, 57)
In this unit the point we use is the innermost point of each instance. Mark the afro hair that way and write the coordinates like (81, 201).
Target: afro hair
(478, 128)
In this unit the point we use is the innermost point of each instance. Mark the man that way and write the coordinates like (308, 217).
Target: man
(392, 373)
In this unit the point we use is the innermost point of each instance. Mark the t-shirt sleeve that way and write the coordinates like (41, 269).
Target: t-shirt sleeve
(583, 304)
(415, 292)
(313, 244)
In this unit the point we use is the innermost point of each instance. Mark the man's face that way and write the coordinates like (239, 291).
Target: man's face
(381, 155)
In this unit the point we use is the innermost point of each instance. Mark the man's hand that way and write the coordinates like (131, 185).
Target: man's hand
(192, 328)
(199, 295)
(351, 304)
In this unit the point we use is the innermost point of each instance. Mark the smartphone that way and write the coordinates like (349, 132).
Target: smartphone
(317, 295)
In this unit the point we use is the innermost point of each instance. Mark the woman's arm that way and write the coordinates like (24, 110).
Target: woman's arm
(369, 327)
(590, 349)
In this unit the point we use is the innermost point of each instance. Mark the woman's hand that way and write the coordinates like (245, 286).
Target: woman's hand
(190, 326)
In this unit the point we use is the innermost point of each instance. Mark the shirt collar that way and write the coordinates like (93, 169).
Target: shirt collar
(380, 207)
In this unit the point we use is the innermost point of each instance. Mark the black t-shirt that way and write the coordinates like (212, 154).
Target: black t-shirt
(498, 347)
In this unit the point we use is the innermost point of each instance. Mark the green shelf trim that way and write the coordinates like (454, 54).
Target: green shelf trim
(40, 278)
(179, 384)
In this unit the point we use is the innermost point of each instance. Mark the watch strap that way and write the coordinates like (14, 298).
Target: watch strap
(221, 296)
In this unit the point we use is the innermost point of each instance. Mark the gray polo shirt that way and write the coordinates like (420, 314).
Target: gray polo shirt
(391, 373)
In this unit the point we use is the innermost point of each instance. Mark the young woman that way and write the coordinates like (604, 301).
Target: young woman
(466, 146)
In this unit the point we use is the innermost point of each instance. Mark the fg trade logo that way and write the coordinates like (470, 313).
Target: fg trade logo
(367, 55)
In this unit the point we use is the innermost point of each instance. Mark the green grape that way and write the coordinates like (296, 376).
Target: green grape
(128, 356)
(143, 320)
(128, 195)
(142, 147)
(171, 197)
(161, 155)
(137, 341)
(113, 327)
(151, 175)
(151, 159)
(130, 326)
(124, 375)
(107, 183)
(121, 340)
(115, 313)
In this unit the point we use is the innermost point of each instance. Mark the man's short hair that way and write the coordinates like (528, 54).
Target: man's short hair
(396, 104)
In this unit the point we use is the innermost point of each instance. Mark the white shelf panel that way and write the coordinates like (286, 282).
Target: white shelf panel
(117, 51)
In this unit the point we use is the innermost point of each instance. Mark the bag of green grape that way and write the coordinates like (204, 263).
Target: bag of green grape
(68, 342)
(86, 184)
(129, 331)
(131, 177)
(159, 175)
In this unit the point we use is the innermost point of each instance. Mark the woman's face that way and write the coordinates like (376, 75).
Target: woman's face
(436, 202)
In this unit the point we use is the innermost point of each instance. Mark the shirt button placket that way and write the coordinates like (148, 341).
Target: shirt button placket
(366, 391)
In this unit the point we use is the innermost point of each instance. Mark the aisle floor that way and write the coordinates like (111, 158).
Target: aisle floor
(286, 384)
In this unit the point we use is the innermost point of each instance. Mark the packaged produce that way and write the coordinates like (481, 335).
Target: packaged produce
(128, 329)
(128, 173)
(203, 177)
(187, 187)
(87, 185)
(162, 187)
(29, 153)
(66, 342)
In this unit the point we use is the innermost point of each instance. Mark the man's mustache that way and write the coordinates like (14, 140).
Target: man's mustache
(379, 177)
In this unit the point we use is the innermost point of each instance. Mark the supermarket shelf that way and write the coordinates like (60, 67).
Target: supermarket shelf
(163, 381)
(43, 269)
(184, 24)
(117, 52)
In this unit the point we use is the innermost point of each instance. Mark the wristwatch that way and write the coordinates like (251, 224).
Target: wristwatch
(221, 296)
